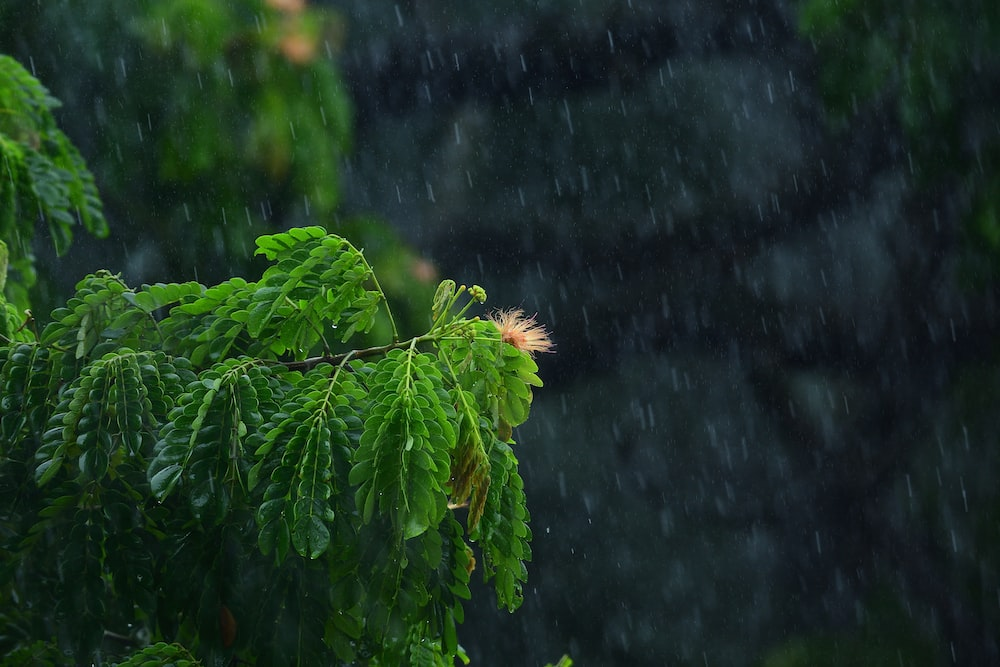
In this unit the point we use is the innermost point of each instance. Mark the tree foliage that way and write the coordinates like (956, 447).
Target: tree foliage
(216, 466)
(933, 72)
(197, 474)
(42, 176)
(241, 117)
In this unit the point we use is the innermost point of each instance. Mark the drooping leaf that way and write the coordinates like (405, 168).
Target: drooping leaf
(295, 455)
(202, 446)
(503, 531)
(109, 412)
(402, 463)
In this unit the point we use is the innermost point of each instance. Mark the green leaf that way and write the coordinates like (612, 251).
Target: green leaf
(161, 654)
(165, 479)
(297, 449)
(202, 447)
(44, 174)
(403, 458)
(310, 536)
(275, 246)
(503, 531)
(317, 284)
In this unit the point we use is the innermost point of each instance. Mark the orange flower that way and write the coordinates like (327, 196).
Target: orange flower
(423, 270)
(290, 6)
(522, 332)
(298, 48)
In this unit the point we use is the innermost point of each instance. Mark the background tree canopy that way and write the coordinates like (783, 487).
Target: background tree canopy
(766, 233)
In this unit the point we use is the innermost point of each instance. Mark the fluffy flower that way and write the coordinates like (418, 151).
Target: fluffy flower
(522, 332)
(298, 47)
(290, 6)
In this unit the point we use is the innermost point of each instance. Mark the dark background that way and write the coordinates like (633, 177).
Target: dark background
(763, 235)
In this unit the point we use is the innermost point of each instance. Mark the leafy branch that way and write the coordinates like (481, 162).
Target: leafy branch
(233, 474)
(187, 425)
(42, 175)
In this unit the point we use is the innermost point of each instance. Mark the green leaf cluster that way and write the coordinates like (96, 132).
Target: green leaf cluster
(161, 654)
(404, 455)
(242, 118)
(220, 467)
(270, 70)
(42, 176)
(227, 468)
(238, 108)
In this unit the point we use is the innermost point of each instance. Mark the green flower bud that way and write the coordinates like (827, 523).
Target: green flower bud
(478, 293)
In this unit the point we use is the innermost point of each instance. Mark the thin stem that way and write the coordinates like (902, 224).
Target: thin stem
(29, 319)
(378, 287)
(445, 333)
(445, 312)
(465, 308)
(340, 366)
(312, 325)
(156, 325)
(334, 359)
(388, 311)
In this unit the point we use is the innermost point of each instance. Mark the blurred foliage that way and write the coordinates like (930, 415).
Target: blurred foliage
(37, 654)
(252, 90)
(564, 661)
(14, 320)
(43, 178)
(223, 468)
(929, 69)
(161, 654)
(886, 636)
(969, 441)
(238, 468)
(934, 67)
(206, 123)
